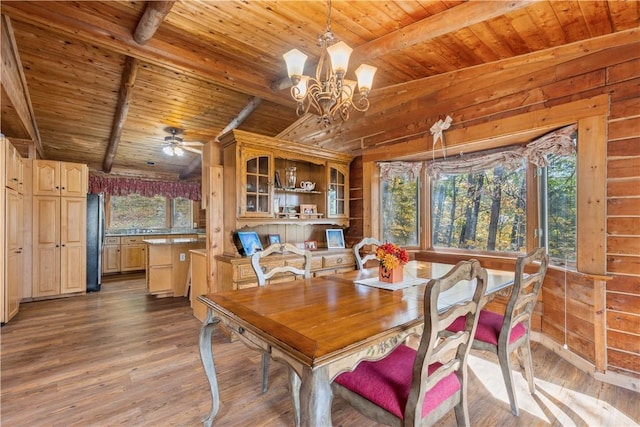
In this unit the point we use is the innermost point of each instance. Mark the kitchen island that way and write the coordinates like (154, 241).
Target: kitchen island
(168, 265)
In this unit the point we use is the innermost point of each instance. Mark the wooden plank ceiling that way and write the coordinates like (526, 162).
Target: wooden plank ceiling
(208, 66)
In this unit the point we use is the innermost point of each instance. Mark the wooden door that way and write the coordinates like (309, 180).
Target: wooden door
(73, 244)
(46, 246)
(46, 178)
(73, 179)
(14, 254)
(111, 259)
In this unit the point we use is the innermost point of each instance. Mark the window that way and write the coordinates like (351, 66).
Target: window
(558, 209)
(135, 211)
(400, 211)
(181, 213)
(483, 210)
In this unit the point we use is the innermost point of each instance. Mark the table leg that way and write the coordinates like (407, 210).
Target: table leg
(294, 389)
(315, 398)
(206, 355)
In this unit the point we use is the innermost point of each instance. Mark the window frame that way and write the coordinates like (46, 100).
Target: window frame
(168, 222)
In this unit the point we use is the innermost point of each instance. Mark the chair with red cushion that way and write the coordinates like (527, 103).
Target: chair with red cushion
(409, 387)
(503, 335)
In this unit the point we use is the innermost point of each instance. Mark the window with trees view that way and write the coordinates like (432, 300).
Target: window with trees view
(399, 211)
(483, 210)
(135, 211)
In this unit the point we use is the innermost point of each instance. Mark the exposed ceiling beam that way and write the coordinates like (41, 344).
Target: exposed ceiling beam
(124, 98)
(233, 124)
(446, 22)
(117, 38)
(153, 16)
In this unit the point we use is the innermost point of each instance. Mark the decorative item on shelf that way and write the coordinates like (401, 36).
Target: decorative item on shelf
(335, 239)
(273, 238)
(307, 185)
(277, 180)
(311, 245)
(247, 242)
(276, 206)
(392, 258)
(290, 176)
(308, 211)
(329, 94)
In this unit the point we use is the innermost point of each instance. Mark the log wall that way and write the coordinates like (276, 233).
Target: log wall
(603, 316)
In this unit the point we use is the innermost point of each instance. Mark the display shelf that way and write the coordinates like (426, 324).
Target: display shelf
(299, 215)
(295, 190)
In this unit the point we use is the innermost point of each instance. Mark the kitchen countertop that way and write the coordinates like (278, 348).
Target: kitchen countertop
(151, 233)
(174, 241)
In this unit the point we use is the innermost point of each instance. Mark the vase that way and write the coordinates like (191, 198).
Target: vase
(395, 275)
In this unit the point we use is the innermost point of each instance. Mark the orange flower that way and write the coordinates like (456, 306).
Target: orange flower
(391, 256)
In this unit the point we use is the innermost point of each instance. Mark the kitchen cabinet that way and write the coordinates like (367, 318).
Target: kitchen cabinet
(199, 283)
(168, 265)
(12, 230)
(59, 245)
(14, 254)
(132, 253)
(111, 255)
(52, 178)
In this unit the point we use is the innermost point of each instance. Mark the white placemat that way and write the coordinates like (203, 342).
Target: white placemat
(406, 283)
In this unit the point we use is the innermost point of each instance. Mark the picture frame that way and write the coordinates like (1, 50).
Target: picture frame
(335, 238)
(311, 245)
(308, 210)
(247, 242)
(273, 238)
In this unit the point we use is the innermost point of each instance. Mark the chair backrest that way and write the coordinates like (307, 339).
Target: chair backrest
(530, 271)
(263, 274)
(360, 259)
(451, 350)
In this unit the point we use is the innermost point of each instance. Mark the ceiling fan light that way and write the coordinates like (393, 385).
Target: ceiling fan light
(295, 64)
(178, 151)
(168, 150)
(365, 75)
(339, 54)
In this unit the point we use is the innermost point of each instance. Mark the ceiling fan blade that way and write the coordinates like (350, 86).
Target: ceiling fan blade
(193, 143)
(193, 150)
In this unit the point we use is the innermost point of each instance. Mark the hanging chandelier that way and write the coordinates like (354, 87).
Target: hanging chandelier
(329, 94)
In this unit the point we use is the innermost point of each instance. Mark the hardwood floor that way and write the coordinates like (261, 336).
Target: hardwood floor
(121, 357)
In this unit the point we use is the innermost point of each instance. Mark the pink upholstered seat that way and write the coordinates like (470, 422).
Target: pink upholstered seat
(387, 382)
(418, 387)
(489, 326)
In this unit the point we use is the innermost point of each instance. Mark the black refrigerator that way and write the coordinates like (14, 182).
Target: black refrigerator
(95, 240)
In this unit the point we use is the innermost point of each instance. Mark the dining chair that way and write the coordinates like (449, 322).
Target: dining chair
(504, 334)
(361, 260)
(264, 273)
(418, 387)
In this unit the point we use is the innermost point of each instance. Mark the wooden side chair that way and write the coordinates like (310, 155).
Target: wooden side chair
(263, 273)
(409, 387)
(504, 334)
(361, 260)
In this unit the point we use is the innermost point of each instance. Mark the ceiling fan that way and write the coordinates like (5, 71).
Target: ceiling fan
(176, 146)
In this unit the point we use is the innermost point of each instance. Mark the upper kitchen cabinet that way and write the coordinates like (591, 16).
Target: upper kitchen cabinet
(14, 171)
(52, 178)
(273, 181)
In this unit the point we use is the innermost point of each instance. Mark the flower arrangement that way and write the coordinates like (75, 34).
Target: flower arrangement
(391, 256)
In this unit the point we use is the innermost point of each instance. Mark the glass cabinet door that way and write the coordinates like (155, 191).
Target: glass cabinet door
(337, 197)
(257, 185)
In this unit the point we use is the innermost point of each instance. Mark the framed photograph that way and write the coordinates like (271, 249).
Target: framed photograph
(273, 238)
(335, 239)
(311, 245)
(308, 211)
(247, 242)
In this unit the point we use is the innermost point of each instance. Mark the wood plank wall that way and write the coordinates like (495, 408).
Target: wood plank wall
(616, 72)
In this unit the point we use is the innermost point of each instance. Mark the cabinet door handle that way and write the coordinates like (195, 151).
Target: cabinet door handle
(63, 245)
(63, 188)
(57, 187)
(19, 251)
(240, 330)
(339, 260)
(57, 246)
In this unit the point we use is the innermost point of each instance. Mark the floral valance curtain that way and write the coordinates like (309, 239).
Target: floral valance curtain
(560, 142)
(406, 170)
(126, 186)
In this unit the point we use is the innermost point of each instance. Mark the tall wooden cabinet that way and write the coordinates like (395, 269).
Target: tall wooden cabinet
(13, 231)
(59, 228)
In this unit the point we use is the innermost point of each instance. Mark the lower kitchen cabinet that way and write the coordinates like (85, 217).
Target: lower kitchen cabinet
(132, 253)
(111, 255)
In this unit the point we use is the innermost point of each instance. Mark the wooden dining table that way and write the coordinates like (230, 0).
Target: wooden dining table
(322, 326)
